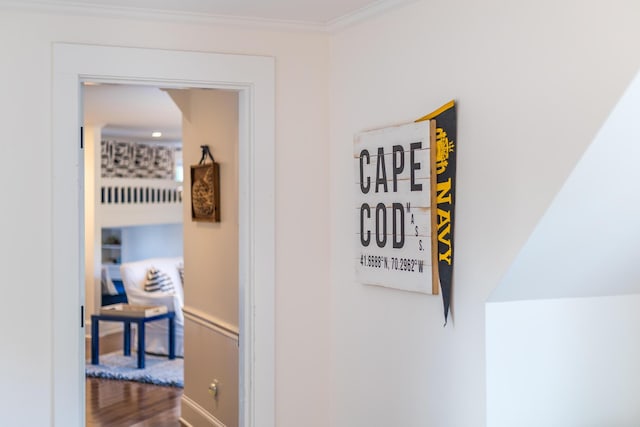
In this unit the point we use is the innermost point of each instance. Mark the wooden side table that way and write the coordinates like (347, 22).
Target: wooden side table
(128, 320)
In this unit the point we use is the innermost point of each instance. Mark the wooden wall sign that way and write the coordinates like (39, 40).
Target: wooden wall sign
(405, 180)
(393, 208)
(205, 189)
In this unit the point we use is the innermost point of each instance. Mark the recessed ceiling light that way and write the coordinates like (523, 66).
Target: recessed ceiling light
(156, 134)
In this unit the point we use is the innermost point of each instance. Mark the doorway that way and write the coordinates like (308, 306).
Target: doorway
(133, 144)
(253, 78)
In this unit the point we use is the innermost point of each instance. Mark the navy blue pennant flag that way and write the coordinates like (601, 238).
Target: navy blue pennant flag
(444, 142)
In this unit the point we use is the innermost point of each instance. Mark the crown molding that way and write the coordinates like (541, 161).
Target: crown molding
(363, 14)
(127, 12)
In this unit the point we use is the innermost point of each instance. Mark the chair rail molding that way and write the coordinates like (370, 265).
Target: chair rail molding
(211, 322)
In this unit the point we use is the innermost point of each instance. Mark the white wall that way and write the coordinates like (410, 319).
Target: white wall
(302, 299)
(211, 259)
(574, 362)
(151, 241)
(534, 82)
(564, 363)
(211, 250)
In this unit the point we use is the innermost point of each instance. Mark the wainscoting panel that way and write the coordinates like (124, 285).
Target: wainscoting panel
(211, 357)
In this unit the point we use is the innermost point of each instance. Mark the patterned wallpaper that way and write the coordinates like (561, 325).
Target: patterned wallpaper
(136, 160)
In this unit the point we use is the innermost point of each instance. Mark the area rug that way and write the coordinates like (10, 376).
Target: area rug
(158, 370)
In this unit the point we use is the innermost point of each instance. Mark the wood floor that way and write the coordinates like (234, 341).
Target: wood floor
(125, 403)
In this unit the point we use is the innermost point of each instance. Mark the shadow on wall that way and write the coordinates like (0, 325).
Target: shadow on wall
(586, 242)
(552, 353)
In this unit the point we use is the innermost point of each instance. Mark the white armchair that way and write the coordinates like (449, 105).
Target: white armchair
(134, 276)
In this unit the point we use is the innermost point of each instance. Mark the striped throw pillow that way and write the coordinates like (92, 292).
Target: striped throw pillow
(157, 281)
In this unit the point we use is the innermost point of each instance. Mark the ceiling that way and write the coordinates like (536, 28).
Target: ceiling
(318, 12)
(132, 112)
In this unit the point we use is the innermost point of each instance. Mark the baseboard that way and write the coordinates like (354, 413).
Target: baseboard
(197, 415)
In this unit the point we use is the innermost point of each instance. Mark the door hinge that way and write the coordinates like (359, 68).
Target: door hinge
(82, 316)
(81, 137)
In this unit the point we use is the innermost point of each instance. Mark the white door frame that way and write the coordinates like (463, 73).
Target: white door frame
(254, 78)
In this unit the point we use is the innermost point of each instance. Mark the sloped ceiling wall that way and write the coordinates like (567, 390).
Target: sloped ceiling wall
(588, 241)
